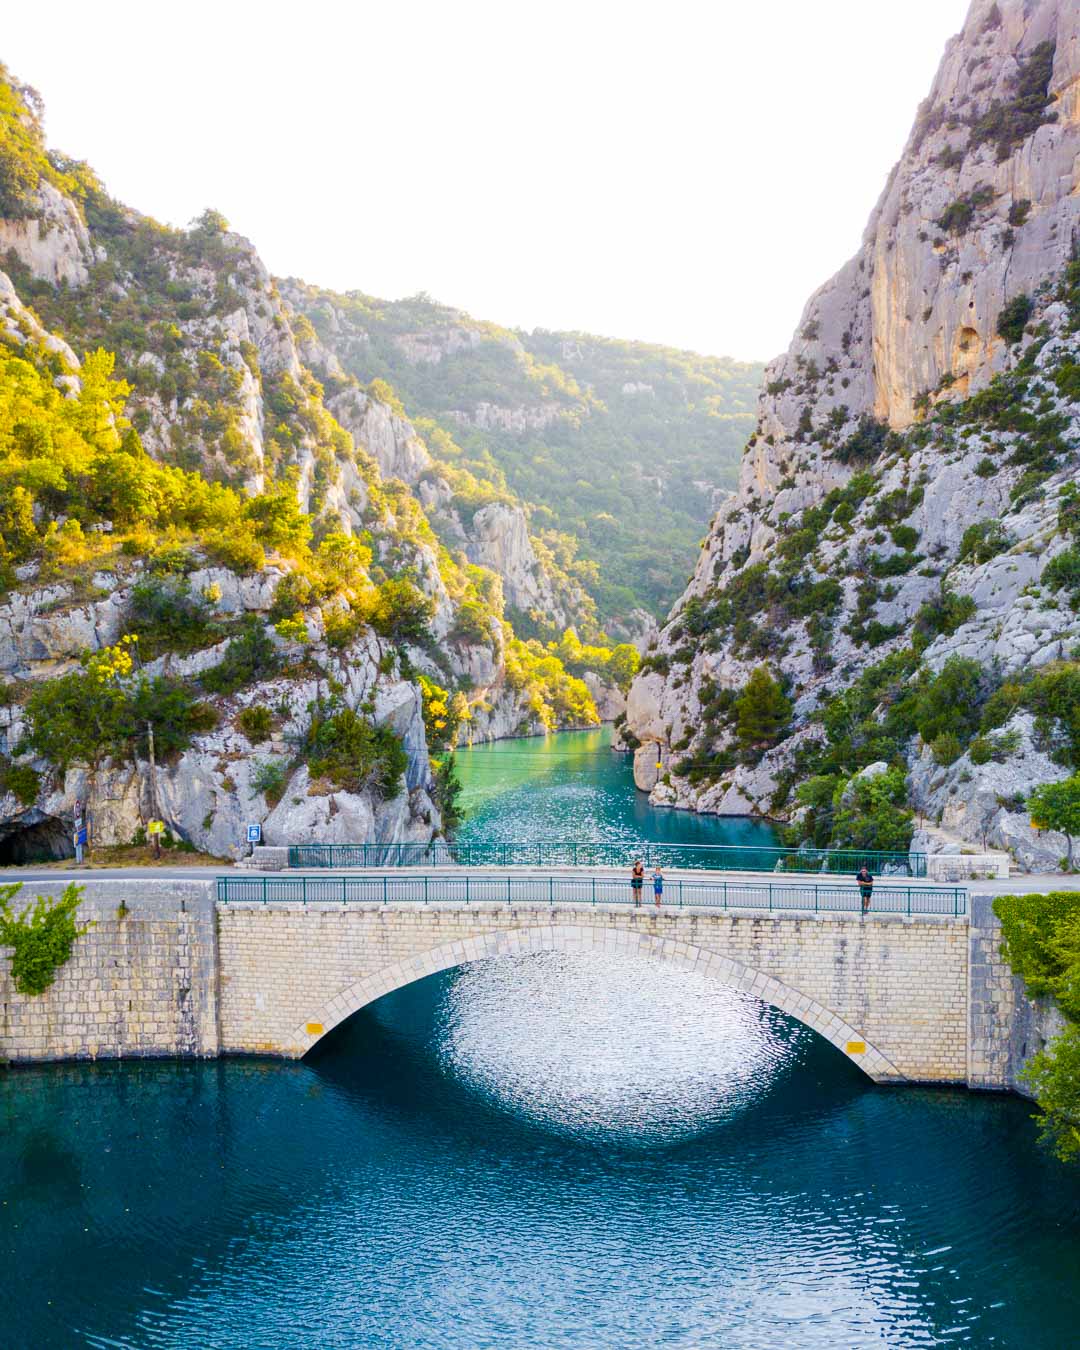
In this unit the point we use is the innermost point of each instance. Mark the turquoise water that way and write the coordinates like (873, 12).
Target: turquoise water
(572, 787)
(547, 1151)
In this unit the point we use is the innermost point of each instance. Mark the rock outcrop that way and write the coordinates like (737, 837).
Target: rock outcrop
(881, 441)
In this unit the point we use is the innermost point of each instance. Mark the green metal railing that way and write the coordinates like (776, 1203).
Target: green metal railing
(570, 853)
(483, 888)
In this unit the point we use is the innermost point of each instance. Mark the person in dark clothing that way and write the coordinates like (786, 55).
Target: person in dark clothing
(866, 886)
(637, 880)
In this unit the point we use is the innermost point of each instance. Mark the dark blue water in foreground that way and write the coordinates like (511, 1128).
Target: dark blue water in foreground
(538, 1152)
(552, 1151)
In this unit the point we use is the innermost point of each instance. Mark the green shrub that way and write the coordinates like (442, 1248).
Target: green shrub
(347, 749)
(876, 814)
(1063, 572)
(958, 215)
(292, 630)
(342, 627)
(236, 549)
(277, 518)
(42, 936)
(1041, 942)
(402, 613)
(979, 751)
(1054, 1077)
(952, 702)
(904, 537)
(984, 540)
(248, 658)
(255, 722)
(269, 776)
(868, 441)
(448, 792)
(1014, 317)
(20, 780)
(1012, 120)
(942, 615)
(895, 565)
(946, 748)
(82, 718)
(167, 617)
(293, 592)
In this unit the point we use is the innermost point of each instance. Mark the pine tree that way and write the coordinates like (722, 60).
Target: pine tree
(761, 709)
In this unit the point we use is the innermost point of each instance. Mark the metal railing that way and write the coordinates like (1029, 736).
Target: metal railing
(571, 853)
(483, 888)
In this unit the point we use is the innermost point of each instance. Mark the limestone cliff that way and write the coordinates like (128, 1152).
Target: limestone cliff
(927, 391)
(209, 469)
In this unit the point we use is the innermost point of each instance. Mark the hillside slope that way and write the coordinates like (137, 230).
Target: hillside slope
(622, 450)
(899, 564)
(189, 475)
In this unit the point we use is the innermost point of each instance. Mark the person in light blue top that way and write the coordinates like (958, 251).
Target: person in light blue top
(658, 884)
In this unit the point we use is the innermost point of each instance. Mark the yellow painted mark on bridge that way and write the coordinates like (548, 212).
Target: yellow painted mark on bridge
(856, 1047)
(314, 1028)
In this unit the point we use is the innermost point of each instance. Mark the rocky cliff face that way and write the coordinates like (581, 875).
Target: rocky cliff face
(928, 390)
(367, 607)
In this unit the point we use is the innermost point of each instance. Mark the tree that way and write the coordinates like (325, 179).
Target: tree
(762, 710)
(872, 813)
(1056, 806)
(402, 612)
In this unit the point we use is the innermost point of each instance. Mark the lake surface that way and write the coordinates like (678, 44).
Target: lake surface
(572, 787)
(547, 1151)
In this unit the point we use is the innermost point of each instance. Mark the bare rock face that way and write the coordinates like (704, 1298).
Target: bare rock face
(387, 436)
(53, 244)
(499, 539)
(856, 482)
(984, 803)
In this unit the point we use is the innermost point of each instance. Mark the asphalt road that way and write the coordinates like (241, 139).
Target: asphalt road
(1013, 886)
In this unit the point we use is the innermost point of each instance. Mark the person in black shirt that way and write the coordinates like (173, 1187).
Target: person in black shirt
(866, 886)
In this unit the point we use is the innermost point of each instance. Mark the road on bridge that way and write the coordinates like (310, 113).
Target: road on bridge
(1013, 886)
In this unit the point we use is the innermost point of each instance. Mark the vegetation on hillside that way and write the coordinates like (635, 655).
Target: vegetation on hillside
(615, 446)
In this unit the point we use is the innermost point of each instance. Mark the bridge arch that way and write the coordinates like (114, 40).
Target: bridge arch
(576, 938)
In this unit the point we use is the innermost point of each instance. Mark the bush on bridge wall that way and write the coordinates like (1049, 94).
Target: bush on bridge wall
(42, 936)
(1042, 945)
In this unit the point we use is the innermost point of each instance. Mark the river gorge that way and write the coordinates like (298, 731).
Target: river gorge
(545, 1150)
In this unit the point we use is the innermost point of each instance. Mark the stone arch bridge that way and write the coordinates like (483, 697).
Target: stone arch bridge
(174, 970)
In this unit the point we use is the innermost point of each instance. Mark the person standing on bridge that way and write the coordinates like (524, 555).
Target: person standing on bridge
(866, 886)
(658, 884)
(637, 880)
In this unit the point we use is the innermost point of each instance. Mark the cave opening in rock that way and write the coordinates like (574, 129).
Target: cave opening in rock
(42, 840)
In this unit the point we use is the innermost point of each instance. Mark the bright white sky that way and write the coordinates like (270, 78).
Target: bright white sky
(683, 172)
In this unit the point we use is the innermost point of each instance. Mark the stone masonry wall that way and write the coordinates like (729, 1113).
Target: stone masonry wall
(926, 999)
(899, 985)
(1006, 1026)
(140, 984)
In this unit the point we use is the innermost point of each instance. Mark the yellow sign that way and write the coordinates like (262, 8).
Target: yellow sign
(856, 1047)
(314, 1028)
(155, 827)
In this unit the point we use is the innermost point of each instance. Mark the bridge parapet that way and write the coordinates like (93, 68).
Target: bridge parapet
(591, 887)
